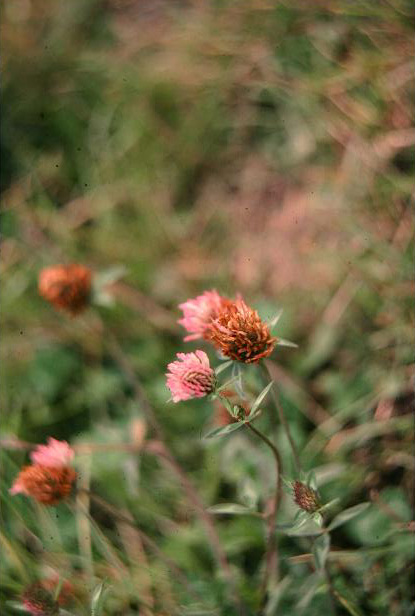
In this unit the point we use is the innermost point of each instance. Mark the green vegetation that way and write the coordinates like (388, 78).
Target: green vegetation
(259, 147)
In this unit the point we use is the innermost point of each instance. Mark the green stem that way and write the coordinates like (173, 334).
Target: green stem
(331, 593)
(271, 558)
(281, 414)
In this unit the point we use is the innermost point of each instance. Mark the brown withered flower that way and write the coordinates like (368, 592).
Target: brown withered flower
(305, 497)
(67, 287)
(48, 485)
(39, 602)
(239, 333)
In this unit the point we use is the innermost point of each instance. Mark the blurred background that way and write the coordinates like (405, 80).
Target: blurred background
(265, 148)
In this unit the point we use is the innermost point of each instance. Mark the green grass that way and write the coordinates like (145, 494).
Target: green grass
(262, 148)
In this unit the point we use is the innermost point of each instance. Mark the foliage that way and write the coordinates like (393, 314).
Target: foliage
(264, 148)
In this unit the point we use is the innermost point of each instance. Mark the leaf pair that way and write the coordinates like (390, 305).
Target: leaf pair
(254, 412)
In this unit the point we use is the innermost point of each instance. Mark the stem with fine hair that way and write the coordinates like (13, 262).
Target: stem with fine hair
(267, 374)
(271, 559)
(327, 575)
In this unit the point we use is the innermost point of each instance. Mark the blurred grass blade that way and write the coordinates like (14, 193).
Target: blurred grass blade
(232, 508)
(98, 598)
(275, 596)
(351, 609)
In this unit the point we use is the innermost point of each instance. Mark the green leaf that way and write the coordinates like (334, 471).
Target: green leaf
(98, 597)
(312, 480)
(101, 295)
(58, 589)
(224, 431)
(275, 595)
(304, 528)
(237, 374)
(351, 609)
(223, 366)
(317, 518)
(228, 406)
(288, 484)
(286, 343)
(16, 607)
(232, 508)
(329, 504)
(308, 591)
(109, 276)
(275, 320)
(321, 548)
(259, 399)
(347, 514)
(226, 385)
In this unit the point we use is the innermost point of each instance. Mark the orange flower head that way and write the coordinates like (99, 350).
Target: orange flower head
(67, 287)
(305, 497)
(46, 484)
(239, 333)
(39, 602)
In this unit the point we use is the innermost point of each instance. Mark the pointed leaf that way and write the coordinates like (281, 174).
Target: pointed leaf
(351, 609)
(109, 276)
(312, 480)
(228, 406)
(275, 320)
(232, 508)
(329, 504)
(318, 519)
(308, 591)
(226, 385)
(97, 600)
(58, 588)
(237, 373)
(288, 484)
(275, 595)
(260, 398)
(347, 514)
(223, 366)
(16, 607)
(321, 550)
(224, 431)
(304, 528)
(254, 416)
(286, 343)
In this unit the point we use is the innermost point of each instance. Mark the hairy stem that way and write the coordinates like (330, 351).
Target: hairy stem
(332, 592)
(281, 414)
(327, 575)
(271, 558)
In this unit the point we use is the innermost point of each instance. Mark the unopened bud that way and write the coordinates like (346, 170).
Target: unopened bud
(305, 497)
